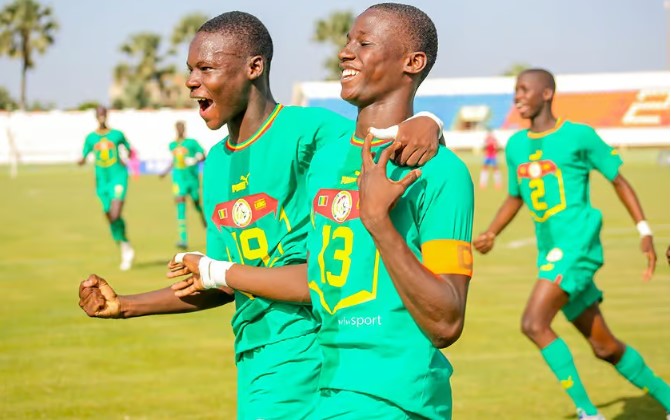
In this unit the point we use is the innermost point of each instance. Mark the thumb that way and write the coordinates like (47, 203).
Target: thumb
(108, 293)
(384, 133)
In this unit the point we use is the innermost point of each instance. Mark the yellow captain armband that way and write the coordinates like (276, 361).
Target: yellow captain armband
(448, 256)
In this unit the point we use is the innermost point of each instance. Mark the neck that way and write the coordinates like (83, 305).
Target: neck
(383, 113)
(102, 127)
(544, 121)
(260, 106)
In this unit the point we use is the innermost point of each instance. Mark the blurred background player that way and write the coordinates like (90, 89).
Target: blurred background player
(111, 179)
(548, 170)
(186, 157)
(491, 149)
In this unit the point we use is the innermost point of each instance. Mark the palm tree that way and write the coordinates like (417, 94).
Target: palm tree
(26, 27)
(185, 29)
(515, 69)
(333, 30)
(143, 83)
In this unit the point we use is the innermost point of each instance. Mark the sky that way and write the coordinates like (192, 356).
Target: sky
(476, 38)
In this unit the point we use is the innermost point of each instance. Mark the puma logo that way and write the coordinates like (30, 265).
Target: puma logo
(537, 155)
(244, 183)
(350, 179)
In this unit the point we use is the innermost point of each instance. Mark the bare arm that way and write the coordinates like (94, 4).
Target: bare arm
(98, 299)
(627, 196)
(288, 283)
(507, 212)
(164, 301)
(166, 171)
(436, 302)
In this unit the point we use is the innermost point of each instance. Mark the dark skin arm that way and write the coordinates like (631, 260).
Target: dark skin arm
(418, 139)
(258, 281)
(628, 197)
(98, 299)
(436, 302)
(507, 212)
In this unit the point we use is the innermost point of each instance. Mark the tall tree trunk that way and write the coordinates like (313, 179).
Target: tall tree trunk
(24, 73)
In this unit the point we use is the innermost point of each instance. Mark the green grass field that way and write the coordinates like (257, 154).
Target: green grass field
(57, 363)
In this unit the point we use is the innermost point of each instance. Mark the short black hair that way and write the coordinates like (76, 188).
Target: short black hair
(251, 33)
(419, 28)
(547, 77)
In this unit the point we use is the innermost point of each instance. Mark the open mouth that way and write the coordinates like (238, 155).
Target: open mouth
(348, 74)
(203, 103)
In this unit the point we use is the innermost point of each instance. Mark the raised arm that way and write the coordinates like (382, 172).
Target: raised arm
(434, 294)
(627, 196)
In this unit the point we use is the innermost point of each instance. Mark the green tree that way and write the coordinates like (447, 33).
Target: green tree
(333, 30)
(143, 80)
(185, 29)
(515, 69)
(26, 27)
(7, 103)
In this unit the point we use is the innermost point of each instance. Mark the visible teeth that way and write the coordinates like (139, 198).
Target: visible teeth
(349, 72)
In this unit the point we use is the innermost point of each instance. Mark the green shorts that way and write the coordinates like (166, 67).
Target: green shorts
(184, 189)
(350, 405)
(111, 189)
(574, 273)
(280, 380)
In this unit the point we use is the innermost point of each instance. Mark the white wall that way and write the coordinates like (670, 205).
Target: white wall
(58, 136)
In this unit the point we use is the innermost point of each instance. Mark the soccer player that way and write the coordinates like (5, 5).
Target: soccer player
(111, 179)
(186, 156)
(548, 170)
(256, 202)
(490, 164)
(389, 256)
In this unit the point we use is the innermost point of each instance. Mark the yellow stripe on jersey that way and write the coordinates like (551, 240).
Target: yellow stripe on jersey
(541, 134)
(448, 256)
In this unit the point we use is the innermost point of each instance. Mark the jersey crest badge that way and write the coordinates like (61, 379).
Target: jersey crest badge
(242, 212)
(337, 205)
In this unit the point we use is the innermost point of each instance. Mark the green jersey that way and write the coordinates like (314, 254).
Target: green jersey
(254, 194)
(370, 342)
(185, 155)
(105, 147)
(550, 172)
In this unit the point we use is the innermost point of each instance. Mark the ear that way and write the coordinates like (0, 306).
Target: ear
(415, 62)
(256, 65)
(548, 94)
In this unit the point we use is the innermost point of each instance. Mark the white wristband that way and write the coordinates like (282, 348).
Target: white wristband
(643, 228)
(213, 272)
(433, 117)
(179, 258)
(392, 132)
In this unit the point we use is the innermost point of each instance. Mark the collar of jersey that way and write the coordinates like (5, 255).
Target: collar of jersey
(264, 127)
(558, 124)
(376, 142)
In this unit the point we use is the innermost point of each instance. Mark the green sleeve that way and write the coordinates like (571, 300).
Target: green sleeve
(88, 147)
(123, 141)
(326, 126)
(447, 208)
(215, 247)
(601, 156)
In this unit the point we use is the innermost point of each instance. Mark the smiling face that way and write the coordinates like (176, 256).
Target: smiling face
(219, 78)
(531, 94)
(373, 60)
